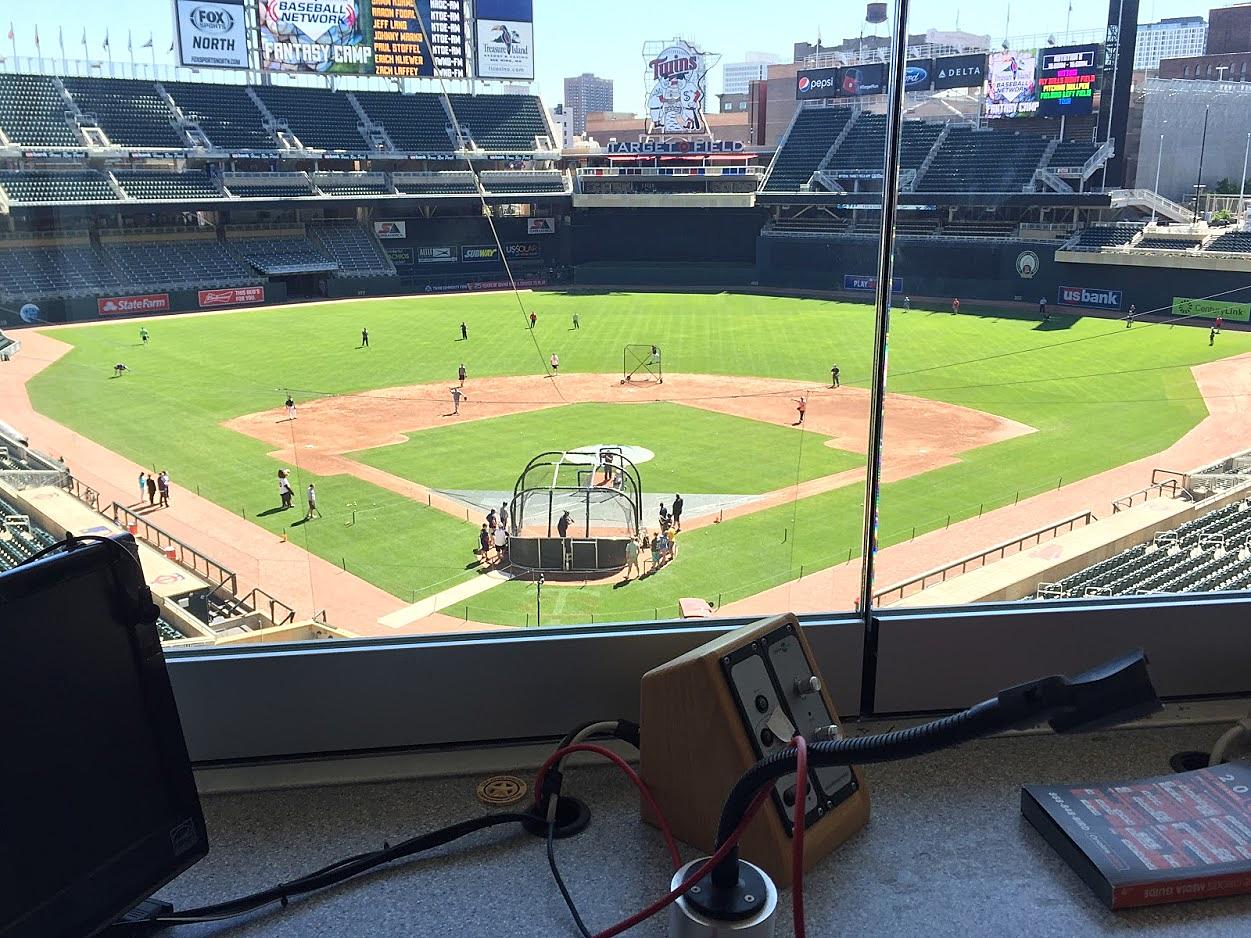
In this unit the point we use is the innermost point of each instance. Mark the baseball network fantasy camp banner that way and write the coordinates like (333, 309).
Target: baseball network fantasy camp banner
(1012, 84)
(1211, 309)
(363, 37)
(211, 33)
(504, 39)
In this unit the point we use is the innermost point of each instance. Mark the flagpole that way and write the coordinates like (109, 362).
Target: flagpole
(152, 49)
(13, 42)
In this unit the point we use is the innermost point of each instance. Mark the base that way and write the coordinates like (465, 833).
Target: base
(686, 921)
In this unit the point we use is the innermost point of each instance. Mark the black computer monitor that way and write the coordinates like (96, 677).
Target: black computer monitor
(98, 806)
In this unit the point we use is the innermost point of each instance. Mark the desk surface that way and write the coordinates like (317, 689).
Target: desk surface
(946, 852)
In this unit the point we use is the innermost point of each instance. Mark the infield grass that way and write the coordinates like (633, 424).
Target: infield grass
(1099, 395)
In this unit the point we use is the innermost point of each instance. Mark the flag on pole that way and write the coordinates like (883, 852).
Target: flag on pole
(171, 45)
(36, 36)
(130, 46)
(60, 39)
(106, 40)
(10, 30)
(148, 44)
(84, 37)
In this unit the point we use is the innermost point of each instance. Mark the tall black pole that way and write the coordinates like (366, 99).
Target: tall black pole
(881, 327)
(1203, 142)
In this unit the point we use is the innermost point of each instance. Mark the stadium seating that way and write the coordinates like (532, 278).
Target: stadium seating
(972, 160)
(32, 272)
(510, 183)
(322, 120)
(1097, 237)
(357, 252)
(284, 255)
(131, 113)
(507, 122)
(1209, 553)
(864, 148)
(32, 112)
(154, 186)
(810, 138)
(42, 187)
(226, 113)
(451, 183)
(20, 538)
(175, 262)
(1072, 153)
(414, 122)
(271, 186)
(1232, 242)
(351, 184)
(1168, 244)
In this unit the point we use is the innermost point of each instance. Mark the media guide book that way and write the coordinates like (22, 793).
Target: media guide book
(1155, 840)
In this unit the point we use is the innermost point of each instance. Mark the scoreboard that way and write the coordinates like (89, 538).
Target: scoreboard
(1067, 76)
(402, 51)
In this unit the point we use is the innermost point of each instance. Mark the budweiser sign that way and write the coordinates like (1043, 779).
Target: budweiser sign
(232, 296)
(125, 305)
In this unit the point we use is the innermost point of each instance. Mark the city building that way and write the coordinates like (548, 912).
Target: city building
(1229, 29)
(736, 76)
(560, 124)
(584, 94)
(733, 102)
(1229, 66)
(1172, 38)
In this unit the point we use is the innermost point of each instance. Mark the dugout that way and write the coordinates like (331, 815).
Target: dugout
(601, 492)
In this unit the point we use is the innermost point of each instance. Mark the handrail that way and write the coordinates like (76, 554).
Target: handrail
(1127, 501)
(83, 492)
(1033, 538)
(178, 551)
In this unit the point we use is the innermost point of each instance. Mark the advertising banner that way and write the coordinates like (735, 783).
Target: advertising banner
(476, 254)
(540, 226)
(859, 80)
(814, 83)
(437, 255)
(211, 33)
(231, 296)
(471, 285)
(124, 305)
(919, 75)
(401, 257)
(523, 249)
(1211, 309)
(959, 71)
(1067, 76)
(1011, 84)
(678, 82)
(1085, 296)
(869, 284)
(504, 39)
(391, 230)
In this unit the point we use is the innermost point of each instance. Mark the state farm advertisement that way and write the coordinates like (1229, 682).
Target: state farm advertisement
(231, 296)
(125, 305)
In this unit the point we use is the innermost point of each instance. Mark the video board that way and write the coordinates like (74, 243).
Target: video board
(1067, 76)
(1012, 83)
(364, 37)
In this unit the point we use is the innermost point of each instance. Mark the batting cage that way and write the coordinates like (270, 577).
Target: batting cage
(642, 364)
(597, 495)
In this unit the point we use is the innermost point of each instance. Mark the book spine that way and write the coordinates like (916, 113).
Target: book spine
(1180, 890)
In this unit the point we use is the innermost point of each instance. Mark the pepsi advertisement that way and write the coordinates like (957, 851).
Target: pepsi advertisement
(815, 83)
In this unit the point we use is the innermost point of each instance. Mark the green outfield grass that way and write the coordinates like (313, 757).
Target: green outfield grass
(696, 450)
(1099, 395)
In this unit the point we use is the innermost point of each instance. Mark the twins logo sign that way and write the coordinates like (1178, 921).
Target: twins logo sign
(676, 102)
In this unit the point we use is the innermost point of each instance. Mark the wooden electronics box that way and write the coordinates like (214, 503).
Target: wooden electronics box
(711, 714)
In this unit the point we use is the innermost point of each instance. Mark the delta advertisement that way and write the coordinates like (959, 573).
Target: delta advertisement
(211, 33)
(1011, 84)
(1211, 309)
(1088, 297)
(504, 39)
(959, 71)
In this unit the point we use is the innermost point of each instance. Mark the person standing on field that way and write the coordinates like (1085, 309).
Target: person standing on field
(312, 504)
(1212, 336)
(632, 559)
(801, 407)
(1220, 321)
(504, 515)
(1042, 309)
(364, 338)
(457, 395)
(562, 526)
(955, 305)
(484, 542)
(162, 485)
(576, 323)
(501, 543)
(533, 319)
(677, 510)
(152, 490)
(460, 373)
(290, 405)
(143, 335)
(284, 489)
(834, 373)
(464, 331)
(143, 486)
(1129, 319)
(555, 363)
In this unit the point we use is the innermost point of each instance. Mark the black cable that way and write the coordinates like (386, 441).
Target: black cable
(560, 881)
(337, 872)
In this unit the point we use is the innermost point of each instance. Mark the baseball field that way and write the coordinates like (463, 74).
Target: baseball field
(984, 410)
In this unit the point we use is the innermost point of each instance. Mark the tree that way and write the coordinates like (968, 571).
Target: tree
(1226, 187)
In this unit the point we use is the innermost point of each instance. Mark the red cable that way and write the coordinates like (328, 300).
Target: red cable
(797, 837)
(697, 875)
(612, 757)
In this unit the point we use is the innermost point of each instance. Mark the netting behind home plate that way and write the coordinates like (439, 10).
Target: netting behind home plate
(600, 489)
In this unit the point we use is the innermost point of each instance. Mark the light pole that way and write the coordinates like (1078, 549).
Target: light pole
(538, 600)
(1203, 142)
(1242, 190)
(1159, 161)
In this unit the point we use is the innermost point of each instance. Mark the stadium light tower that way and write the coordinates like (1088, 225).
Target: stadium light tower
(1159, 157)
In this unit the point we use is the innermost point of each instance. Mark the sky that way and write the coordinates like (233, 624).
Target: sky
(574, 36)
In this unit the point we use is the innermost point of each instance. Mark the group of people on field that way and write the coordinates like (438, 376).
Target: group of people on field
(493, 535)
(153, 487)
